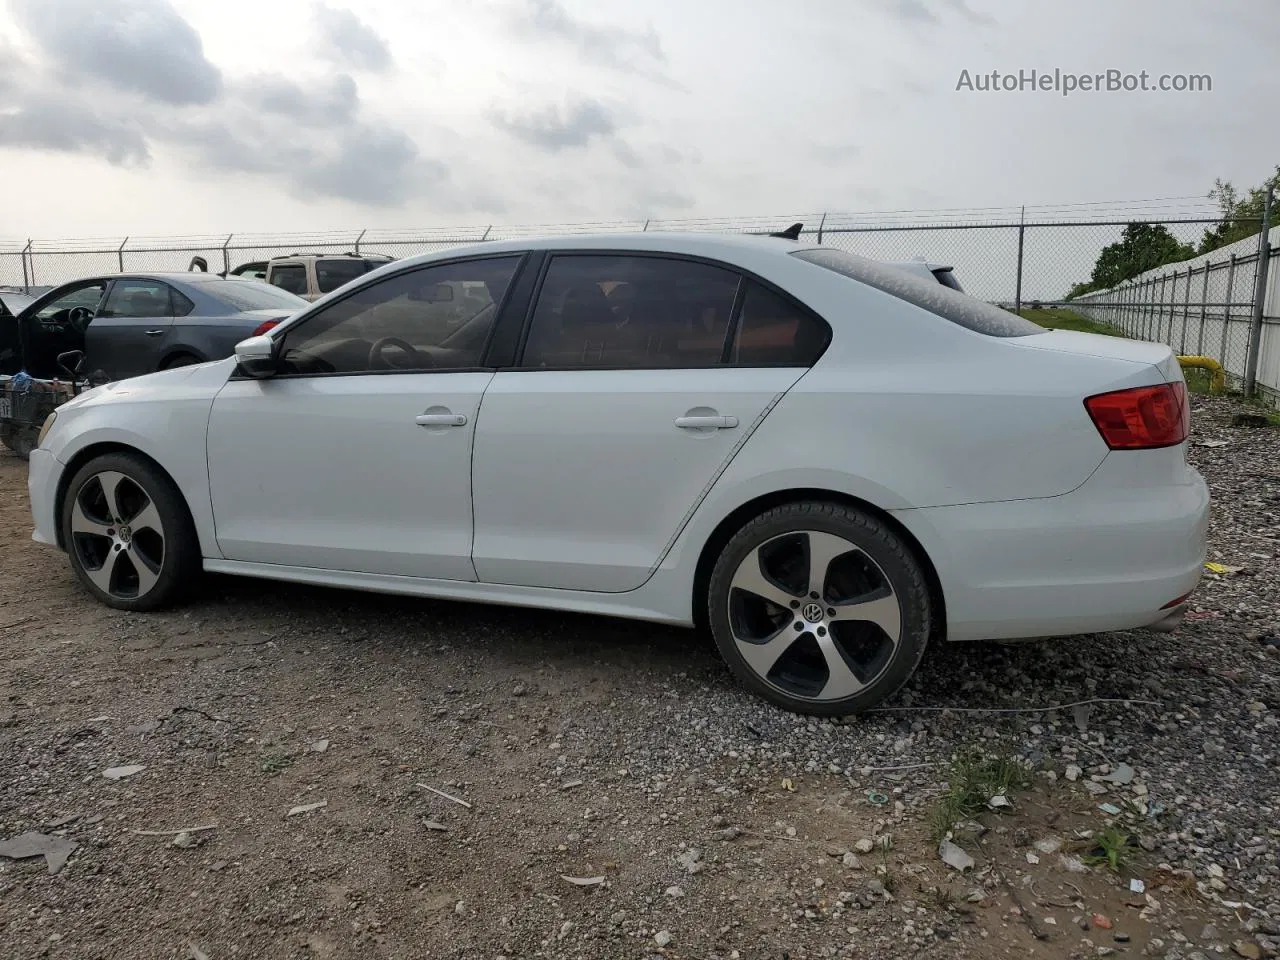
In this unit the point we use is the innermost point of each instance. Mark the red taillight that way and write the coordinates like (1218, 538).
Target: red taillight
(263, 327)
(1142, 418)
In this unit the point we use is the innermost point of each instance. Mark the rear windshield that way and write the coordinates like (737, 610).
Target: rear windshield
(968, 312)
(253, 295)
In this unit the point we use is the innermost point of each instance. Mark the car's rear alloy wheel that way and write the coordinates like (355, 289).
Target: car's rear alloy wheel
(819, 607)
(128, 533)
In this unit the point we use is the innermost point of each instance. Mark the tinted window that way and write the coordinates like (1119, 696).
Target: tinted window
(774, 329)
(630, 311)
(181, 304)
(960, 309)
(434, 318)
(58, 310)
(137, 298)
(331, 274)
(252, 295)
(292, 277)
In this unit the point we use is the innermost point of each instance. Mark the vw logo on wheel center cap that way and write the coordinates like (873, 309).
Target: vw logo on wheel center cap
(812, 612)
(126, 535)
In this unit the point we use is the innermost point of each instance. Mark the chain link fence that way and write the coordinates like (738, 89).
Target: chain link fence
(1203, 305)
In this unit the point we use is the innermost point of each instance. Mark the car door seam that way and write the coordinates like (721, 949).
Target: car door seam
(715, 478)
(471, 479)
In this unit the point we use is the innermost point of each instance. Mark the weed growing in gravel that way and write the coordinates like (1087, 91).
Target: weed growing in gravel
(274, 763)
(1110, 847)
(972, 782)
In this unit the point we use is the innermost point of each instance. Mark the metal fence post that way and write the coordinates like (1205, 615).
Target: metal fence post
(1173, 292)
(821, 223)
(26, 282)
(31, 256)
(356, 251)
(1204, 306)
(120, 253)
(1259, 298)
(226, 259)
(1186, 313)
(1022, 234)
(1226, 310)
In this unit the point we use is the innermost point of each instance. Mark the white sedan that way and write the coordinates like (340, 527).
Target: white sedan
(825, 461)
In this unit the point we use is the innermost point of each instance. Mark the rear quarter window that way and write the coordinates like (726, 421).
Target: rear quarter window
(961, 309)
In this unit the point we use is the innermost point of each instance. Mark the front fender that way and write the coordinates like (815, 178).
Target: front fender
(169, 427)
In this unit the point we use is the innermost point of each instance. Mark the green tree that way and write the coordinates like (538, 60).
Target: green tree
(1142, 247)
(1241, 215)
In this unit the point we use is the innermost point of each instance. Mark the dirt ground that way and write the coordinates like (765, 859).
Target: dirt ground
(579, 748)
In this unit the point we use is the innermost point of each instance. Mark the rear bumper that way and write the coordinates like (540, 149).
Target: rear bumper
(1114, 554)
(43, 473)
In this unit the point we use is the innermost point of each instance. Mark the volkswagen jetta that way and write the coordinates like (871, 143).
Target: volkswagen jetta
(825, 461)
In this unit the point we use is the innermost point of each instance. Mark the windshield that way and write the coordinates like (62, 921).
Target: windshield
(252, 295)
(943, 301)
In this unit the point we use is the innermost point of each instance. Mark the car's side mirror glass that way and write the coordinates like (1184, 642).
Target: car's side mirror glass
(72, 362)
(257, 357)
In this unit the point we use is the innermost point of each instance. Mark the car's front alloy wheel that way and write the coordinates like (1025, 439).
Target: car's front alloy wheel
(128, 533)
(819, 607)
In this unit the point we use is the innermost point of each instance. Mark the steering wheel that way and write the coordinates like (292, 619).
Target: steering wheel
(413, 358)
(79, 317)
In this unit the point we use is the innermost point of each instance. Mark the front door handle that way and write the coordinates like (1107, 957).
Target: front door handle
(706, 423)
(441, 420)
(154, 333)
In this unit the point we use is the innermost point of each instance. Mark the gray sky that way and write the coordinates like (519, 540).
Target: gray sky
(156, 117)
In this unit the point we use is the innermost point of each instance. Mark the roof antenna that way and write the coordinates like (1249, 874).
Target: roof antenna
(791, 233)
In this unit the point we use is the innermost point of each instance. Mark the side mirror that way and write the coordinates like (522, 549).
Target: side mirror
(72, 361)
(256, 357)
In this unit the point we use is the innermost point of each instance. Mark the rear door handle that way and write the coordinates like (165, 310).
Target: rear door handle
(706, 423)
(441, 420)
(154, 333)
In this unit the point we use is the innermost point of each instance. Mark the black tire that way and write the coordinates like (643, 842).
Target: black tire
(168, 572)
(795, 681)
(181, 360)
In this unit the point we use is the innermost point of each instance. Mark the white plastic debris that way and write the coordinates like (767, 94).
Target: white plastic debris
(307, 808)
(119, 773)
(954, 856)
(583, 881)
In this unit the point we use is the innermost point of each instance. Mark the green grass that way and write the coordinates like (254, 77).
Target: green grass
(1111, 847)
(1057, 319)
(972, 781)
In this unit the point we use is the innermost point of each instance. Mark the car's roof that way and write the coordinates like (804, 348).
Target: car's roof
(710, 245)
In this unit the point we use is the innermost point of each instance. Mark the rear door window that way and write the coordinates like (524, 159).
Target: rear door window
(331, 274)
(138, 298)
(631, 311)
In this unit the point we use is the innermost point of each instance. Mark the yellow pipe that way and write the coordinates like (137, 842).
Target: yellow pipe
(1217, 376)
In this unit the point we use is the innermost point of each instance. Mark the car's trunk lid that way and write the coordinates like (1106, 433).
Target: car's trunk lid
(1152, 355)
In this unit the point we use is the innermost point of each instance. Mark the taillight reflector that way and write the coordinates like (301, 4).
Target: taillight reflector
(263, 327)
(1142, 418)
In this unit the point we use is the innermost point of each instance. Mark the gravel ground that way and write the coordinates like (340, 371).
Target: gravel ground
(587, 748)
